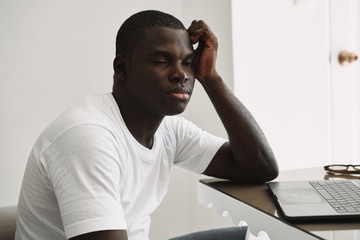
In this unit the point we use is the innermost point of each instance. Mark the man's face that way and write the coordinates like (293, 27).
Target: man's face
(161, 72)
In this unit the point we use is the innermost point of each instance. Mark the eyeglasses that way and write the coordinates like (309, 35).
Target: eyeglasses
(342, 168)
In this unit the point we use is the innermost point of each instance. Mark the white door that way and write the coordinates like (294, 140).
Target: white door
(345, 80)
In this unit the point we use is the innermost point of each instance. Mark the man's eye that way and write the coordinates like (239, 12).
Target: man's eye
(160, 61)
(188, 63)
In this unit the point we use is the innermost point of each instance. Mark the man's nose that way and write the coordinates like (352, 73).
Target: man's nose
(179, 74)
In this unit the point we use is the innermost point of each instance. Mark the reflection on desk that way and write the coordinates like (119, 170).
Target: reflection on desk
(259, 198)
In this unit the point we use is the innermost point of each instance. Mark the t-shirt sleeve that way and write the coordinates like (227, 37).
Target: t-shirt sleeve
(84, 171)
(195, 147)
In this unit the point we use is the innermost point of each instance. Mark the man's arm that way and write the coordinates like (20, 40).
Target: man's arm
(247, 157)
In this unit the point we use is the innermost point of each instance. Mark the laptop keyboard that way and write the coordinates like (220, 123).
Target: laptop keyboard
(343, 196)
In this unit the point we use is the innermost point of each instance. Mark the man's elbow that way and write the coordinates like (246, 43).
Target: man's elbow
(270, 171)
(266, 170)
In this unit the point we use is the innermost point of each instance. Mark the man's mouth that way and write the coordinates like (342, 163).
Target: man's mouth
(180, 93)
(181, 96)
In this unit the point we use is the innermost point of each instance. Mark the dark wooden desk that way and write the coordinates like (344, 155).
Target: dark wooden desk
(258, 197)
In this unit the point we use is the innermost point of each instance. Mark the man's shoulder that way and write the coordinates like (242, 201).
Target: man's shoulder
(91, 111)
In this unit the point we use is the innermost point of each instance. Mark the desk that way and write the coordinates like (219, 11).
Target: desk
(254, 205)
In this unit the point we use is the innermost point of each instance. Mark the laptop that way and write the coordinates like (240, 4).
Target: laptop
(317, 200)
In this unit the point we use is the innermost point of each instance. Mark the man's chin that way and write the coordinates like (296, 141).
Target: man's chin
(176, 111)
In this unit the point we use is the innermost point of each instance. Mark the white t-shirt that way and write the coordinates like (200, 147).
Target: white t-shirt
(87, 172)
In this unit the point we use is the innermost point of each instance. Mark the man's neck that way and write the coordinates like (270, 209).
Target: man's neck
(141, 126)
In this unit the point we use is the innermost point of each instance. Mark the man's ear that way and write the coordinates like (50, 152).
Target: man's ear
(120, 65)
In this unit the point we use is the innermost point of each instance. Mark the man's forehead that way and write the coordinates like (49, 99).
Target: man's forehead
(162, 38)
(165, 53)
(167, 34)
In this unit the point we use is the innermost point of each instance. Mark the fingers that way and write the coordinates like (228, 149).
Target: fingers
(199, 31)
(205, 52)
(195, 30)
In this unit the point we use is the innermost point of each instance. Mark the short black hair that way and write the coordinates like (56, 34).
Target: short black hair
(133, 29)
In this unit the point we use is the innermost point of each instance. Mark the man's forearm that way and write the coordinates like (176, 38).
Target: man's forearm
(248, 143)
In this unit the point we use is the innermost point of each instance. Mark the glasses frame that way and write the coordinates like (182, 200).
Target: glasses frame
(345, 171)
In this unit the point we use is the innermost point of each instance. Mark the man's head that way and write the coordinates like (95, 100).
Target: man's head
(133, 29)
(153, 68)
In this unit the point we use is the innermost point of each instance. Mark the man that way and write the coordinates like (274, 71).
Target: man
(102, 167)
